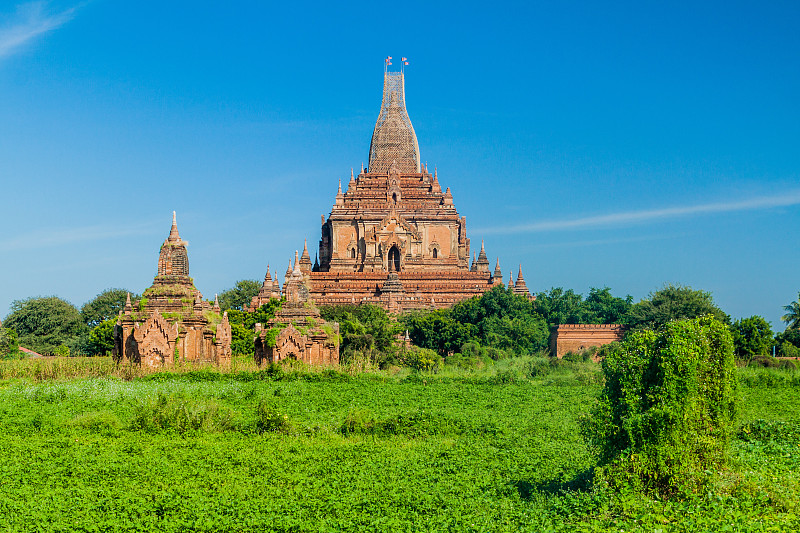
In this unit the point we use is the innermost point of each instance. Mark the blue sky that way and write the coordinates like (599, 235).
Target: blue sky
(625, 144)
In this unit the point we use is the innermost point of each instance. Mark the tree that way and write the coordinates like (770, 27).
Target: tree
(105, 306)
(559, 306)
(498, 319)
(788, 342)
(792, 316)
(600, 307)
(673, 302)
(438, 330)
(751, 336)
(100, 340)
(240, 295)
(363, 327)
(45, 323)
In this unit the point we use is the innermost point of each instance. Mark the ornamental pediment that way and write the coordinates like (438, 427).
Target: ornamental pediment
(395, 223)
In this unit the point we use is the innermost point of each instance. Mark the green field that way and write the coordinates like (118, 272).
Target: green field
(489, 450)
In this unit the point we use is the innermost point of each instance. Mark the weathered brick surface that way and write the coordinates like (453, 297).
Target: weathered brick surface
(576, 337)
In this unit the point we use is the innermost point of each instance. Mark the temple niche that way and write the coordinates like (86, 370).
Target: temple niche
(394, 238)
(297, 332)
(172, 323)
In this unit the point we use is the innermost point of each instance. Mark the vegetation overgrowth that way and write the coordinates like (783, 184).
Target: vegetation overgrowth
(496, 325)
(666, 411)
(89, 446)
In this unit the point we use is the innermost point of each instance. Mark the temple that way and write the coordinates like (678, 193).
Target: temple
(297, 332)
(171, 322)
(393, 237)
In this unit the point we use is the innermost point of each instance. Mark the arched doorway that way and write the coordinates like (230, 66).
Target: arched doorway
(394, 259)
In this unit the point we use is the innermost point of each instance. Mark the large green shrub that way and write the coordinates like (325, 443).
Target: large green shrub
(666, 412)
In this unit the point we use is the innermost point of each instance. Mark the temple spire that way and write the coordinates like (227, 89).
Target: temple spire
(339, 195)
(305, 259)
(173, 231)
(393, 138)
(520, 287)
(498, 274)
(483, 261)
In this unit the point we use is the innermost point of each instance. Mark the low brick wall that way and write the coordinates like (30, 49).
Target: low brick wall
(576, 337)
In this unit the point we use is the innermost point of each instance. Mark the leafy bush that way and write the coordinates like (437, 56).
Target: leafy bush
(666, 412)
(766, 361)
(243, 326)
(8, 344)
(181, 414)
(269, 419)
(61, 351)
(582, 356)
(787, 349)
(421, 359)
(103, 422)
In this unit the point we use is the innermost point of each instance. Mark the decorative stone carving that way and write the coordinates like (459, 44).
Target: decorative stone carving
(155, 340)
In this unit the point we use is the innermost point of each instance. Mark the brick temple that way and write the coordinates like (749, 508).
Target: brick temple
(171, 322)
(394, 238)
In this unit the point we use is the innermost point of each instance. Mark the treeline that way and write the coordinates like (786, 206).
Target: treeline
(52, 326)
(496, 325)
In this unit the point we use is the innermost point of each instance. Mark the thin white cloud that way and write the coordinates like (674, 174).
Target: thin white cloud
(30, 20)
(597, 242)
(631, 218)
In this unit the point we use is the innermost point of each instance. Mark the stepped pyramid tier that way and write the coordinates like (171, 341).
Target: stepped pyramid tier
(172, 322)
(393, 238)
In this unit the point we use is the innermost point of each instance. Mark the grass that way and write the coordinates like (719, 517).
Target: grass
(85, 446)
